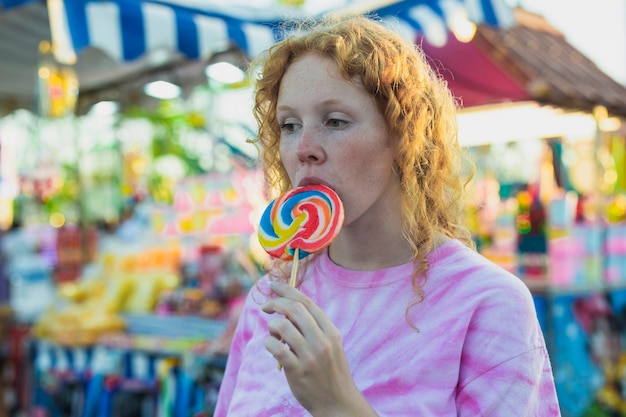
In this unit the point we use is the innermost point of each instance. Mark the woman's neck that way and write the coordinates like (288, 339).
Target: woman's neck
(367, 250)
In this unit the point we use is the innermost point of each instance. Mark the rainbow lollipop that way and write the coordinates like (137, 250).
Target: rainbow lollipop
(300, 222)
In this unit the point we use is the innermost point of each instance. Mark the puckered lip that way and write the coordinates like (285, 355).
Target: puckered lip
(313, 181)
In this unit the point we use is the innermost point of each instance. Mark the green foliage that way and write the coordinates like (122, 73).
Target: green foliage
(170, 121)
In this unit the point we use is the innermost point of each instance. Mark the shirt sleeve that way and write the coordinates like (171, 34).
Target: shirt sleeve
(243, 333)
(522, 386)
(505, 367)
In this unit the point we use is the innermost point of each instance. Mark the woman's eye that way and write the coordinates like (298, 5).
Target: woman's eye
(287, 127)
(335, 122)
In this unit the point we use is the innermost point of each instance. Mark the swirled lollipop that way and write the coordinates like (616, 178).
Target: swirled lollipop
(300, 222)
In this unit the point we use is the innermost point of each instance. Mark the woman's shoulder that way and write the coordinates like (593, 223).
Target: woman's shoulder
(483, 292)
(258, 293)
(463, 266)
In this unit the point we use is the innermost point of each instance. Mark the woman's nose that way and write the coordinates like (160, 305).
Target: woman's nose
(309, 148)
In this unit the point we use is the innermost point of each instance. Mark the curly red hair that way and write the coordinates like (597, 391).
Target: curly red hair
(416, 102)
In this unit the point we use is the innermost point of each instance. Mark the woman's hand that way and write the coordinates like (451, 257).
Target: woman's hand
(309, 347)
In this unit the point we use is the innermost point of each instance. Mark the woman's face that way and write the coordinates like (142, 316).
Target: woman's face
(332, 133)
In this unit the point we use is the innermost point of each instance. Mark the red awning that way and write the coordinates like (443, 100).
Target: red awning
(472, 76)
(529, 61)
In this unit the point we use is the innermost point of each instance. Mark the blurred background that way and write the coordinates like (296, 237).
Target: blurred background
(130, 199)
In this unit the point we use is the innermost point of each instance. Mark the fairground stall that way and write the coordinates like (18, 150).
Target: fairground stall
(130, 197)
(131, 215)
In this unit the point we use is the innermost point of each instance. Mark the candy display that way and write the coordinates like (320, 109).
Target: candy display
(300, 222)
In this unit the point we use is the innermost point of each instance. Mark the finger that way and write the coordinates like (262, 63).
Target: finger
(285, 340)
(296, 314)
(280, 351)
(283, 289)
(285, 330)
(286, 291)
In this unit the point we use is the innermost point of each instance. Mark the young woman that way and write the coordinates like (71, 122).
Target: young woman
(400, 316)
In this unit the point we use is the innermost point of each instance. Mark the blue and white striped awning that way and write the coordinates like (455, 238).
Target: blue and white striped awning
(9, 4)
(128, 29)
(435, 19)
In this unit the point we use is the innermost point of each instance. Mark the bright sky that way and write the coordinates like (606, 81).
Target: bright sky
(596, 28)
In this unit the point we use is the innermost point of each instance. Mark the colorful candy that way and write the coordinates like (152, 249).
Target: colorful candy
(305, 218)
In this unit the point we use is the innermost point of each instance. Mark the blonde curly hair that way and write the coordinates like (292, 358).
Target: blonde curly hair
(417, 104)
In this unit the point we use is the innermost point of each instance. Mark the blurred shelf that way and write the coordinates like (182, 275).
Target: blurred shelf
(542, 286)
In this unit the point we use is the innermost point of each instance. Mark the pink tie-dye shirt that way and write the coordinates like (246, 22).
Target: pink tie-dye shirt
(478, 350)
